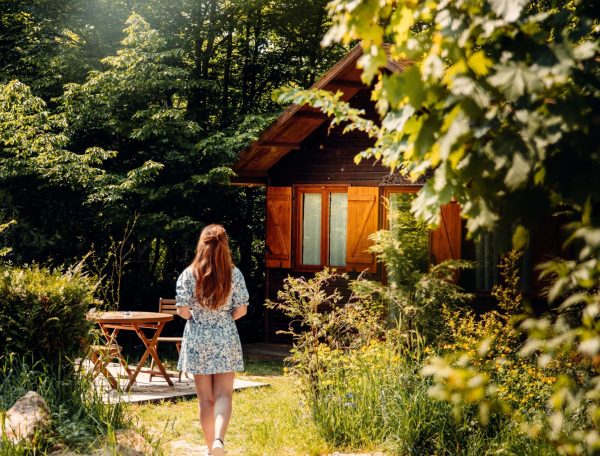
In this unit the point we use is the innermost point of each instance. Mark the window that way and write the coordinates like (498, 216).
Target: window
(322, 227)
(413, 235)
(486, 251)
(398, 204)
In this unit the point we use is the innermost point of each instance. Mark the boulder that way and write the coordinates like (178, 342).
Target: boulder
(27, 417)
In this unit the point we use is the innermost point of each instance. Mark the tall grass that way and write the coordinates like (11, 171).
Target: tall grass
(376, 398)
(79, 417)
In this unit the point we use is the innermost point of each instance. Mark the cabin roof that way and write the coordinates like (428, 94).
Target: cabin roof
(297, 122)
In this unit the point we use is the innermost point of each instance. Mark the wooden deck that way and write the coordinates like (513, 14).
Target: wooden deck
(145, 390)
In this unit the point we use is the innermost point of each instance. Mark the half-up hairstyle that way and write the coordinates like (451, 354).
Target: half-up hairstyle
(212, 267)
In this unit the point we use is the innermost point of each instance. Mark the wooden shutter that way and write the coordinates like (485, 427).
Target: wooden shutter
(362, 221)
(279, 227)
(446, 240)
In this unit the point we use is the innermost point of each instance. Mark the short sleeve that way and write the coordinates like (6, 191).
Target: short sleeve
(239, 292)
(184, 290)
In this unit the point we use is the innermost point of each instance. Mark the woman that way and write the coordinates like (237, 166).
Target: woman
(211, 294)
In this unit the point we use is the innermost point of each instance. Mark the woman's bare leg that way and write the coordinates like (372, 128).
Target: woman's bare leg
(222, 391)
(206, 401)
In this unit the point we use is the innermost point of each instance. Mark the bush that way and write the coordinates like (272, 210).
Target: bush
(43, 312)
(363, 385)
(521, 383)
(415, 292)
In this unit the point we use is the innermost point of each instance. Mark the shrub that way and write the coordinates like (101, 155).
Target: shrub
(375, 397)
(483, 366)
(321, 319)
(43, 312)
(415, 292)
(521, 383)
(363, 385)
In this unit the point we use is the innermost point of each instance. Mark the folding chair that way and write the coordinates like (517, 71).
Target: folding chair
(167, 306)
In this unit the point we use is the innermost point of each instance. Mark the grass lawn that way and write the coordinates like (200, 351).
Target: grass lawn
(266, 421)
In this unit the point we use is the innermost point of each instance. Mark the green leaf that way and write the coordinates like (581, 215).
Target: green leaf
(479, 63)
(515, 79)
(509, 10)
(585, 50)
(520, 237)
(518, 172)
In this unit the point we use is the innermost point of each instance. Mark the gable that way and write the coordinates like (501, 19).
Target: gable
(297, 123)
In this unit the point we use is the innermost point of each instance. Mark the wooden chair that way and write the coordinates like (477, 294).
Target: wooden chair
(167, 306)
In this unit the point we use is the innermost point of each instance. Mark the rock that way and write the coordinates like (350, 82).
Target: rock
(28, 416)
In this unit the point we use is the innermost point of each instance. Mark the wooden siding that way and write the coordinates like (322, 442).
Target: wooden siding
(274, 320)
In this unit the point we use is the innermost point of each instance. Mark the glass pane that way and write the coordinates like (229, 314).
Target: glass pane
(485, 262)
(311, 229)
(489, 248)
(338, 223)
(394, 207)
(399, 209)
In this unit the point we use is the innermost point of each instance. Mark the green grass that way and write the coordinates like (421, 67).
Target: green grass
(266, 421)
(80, 420)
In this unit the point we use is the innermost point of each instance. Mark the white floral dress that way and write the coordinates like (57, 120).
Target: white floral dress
(211, 344)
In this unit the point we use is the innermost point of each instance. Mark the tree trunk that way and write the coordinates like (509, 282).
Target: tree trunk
(254, 66)
(245, 69)
(227, 75)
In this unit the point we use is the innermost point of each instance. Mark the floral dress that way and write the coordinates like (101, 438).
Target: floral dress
(211, 344)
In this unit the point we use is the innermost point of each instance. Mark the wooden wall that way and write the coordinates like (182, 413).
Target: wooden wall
(327, 156)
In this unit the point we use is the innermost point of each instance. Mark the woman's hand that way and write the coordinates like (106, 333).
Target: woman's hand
(239, 312)
(184, 312)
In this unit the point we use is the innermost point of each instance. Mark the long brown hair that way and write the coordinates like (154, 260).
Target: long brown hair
(212, 267)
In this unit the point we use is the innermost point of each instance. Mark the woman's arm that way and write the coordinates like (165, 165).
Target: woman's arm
(184, 312)
(239, 312)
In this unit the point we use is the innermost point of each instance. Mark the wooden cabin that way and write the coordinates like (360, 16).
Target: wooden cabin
(321, 206)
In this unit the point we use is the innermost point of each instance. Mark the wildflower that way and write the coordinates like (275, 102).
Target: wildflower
(350, 404)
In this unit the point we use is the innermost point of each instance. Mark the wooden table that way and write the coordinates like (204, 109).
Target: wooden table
(112, 322)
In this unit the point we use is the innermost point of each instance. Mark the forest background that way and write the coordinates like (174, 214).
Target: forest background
(119, 121)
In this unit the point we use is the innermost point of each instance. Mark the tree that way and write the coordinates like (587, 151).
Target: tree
(36, 167)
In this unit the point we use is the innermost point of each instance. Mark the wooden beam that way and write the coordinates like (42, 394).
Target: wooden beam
(316, 115)
(279, 145)
(341, 83)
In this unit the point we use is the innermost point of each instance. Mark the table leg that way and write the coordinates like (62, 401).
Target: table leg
(100, 366)
(111, 339)
(150, 351)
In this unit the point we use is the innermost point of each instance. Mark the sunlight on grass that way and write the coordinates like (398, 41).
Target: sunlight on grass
(266, 421)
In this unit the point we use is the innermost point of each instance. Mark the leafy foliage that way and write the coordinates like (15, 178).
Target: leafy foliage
(499, 104)
(482, 357)
(320, 319)
(501, 95)
(141, 108)
(43, 312)
(415, 292)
